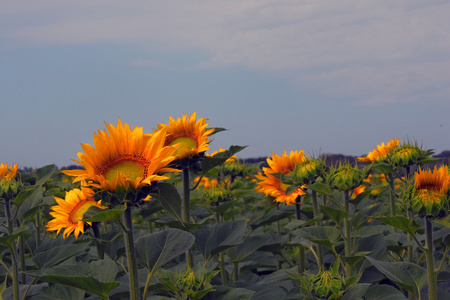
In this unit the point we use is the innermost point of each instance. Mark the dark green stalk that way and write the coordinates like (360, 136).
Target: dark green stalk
(13, 249)
(131, 254)
(301, 248)
(409, 248)
(23, 279)
(392, 199)
(432, 281)
(315, 206)
(186, 206)
(348, 268)
(38, 230)
(223, 272)
(100, 247)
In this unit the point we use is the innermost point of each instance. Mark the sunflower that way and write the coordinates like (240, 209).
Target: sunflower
(272, 185)
(69, 212)
(431, 190)
(8, 172)
(380, 152)
(123, 157)
(190, 133)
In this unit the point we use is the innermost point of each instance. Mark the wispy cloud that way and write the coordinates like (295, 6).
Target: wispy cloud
(373, 52)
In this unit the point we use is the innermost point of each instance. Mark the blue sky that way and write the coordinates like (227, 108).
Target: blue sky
(322, 76)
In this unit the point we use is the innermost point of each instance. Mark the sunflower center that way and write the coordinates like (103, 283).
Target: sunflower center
(131, 167)
(78, 211)
(187, 144)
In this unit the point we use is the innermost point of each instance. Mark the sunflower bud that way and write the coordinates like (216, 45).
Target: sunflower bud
(9, 188)
(327, 283)
(346, 177)
(406, 155)
(217, 194)
(308, 171)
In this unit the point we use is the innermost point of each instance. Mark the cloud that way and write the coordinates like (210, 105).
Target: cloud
(373, 52)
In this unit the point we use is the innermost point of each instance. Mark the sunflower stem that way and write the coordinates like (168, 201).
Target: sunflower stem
(100, 247)
(223, 272)
(315, 205)
(302, 262)
(13, 249)
(348, 268)
(432, 281)
(392, 200)
(186, 207)
(131, 254)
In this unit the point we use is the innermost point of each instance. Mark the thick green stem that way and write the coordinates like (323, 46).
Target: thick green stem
(186, 206)
(348, 251)
(432, 281)
(100, 247)
(223, 272)
(13, 249)
(301, 267)
(315, 206)
(235, 271)
(38, 230)
(131, 254)
(392, 199)
(23, 279)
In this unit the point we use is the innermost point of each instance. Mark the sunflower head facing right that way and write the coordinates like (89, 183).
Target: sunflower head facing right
(124, 158)
(189, 133)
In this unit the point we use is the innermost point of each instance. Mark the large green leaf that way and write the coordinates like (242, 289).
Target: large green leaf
(407, 275)
(156, 249)
(400, 222)
(271, 217)
(320, 188)
(26, 193)
(335, 214)
(356, 292)
(8, 239)
(170, 199)
(444, 221)
(216, 238)
(57, 254)
(383, 291)
(323, 235)
(94, 277)
(210, 162)
(251, 244)
(44, 173)
(96, 214)
(229, 293)
(58, 292)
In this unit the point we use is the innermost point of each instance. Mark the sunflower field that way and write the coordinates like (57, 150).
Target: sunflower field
(155, 215)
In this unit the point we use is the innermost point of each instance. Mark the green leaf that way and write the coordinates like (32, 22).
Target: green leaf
(320, 188)
(58, 292)
(8, 239)
(323, 235)
(337, 215)
(216, 130)
(443, 221)
(356, 292)
(96, 214)
(94, 277)
(355, 258)
(189, 227)
(43, 174)
(229, 293)
(383, 291)
(210, 162)
(156, 249)
(251, 244)
(216, 238)
(25, 194)
(407, 275)
(3, 287)
(400, 222)
(57, 254)
(271, 217)
(170, 199)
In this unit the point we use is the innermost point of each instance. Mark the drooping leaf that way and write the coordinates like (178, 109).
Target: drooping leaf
(385, 292)
(271, 217)
(400, 222)
(156, 249)
(210, 162)
(8, 239)
(356, 292)
(170, 199)
(96, 214)
(335, 214)
(94, 277)
(251, 244)
(407, 275)
(216, 238)
(57, 254)
(323, 235)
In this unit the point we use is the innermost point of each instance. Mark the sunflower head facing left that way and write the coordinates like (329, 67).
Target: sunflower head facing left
(189, 134)
(124, 158)
(9, 186)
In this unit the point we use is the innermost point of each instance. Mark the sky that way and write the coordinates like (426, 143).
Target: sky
(320, 76)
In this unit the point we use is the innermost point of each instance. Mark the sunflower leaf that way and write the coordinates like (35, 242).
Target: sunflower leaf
(96, 214)
(400, 222)
(170, 199)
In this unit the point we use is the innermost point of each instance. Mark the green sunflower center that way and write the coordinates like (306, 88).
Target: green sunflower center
(129, 168)
(187, 144)
(78, 211)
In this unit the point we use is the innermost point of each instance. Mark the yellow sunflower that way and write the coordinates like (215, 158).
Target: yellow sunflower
(431, 190)
(272, 185)
(380, 151)
(8, 172)
(123, 157)
(190, 133)
(69, 212)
